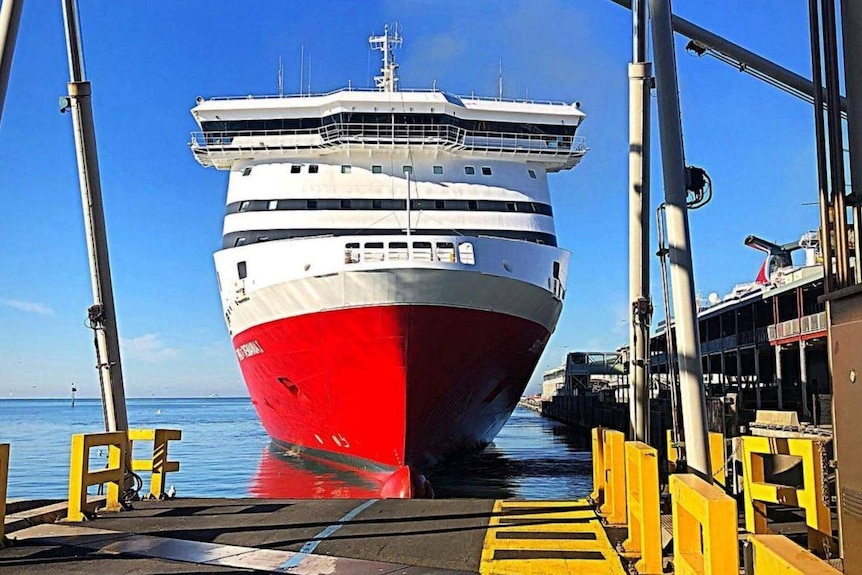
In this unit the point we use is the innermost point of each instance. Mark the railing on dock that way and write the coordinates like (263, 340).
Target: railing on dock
(80, 476)
(704, 528)
(158, 465)
(778, 555)
(4, 477)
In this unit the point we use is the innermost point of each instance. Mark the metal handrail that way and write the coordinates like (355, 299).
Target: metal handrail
(367, 133)
(472, 97)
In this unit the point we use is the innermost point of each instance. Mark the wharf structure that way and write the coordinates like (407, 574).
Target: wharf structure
(762, 347)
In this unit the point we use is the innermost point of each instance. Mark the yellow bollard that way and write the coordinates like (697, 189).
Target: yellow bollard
(159, 465)
(80, 476)
(4, 476)
(810, 498)
(704, 528)
(642, 499)
(778, 555)
(597, 495)
(614, 507)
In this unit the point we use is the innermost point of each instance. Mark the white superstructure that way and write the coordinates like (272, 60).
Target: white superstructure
(326, 188)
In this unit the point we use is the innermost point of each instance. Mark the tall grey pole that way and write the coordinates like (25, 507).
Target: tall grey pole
(10, 17)
(851, 24)
(102, 316)
(640, 83)
(692, 397)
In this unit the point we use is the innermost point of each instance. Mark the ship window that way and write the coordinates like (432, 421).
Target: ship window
(374, 252)
(407, 169)
(376, 204)
(295, 169)
(243, 206)
(246, 172)
(272, 205)
(486, 171)
(345, 169)
(351, 253)
(313, 168)
(376, 169)
(557, 270)
(469, 170)
(445, 251)
(510, 206)
(438, 170)
(241, 270)
(263, 239)
(472, 205)
(239, 241)
(440, 204)
(532, 173)
(311, 204)
(422, 251)
(465, 251)
(398, 251)
(345, 204)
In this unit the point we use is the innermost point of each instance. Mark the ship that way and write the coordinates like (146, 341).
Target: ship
(389, 269)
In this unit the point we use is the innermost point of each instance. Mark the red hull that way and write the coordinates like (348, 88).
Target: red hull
(377, 388)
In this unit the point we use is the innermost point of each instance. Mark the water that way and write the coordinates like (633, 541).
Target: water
(225, 453)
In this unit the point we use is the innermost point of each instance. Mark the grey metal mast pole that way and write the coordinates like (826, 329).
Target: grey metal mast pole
(101, 314)
(692, 398)
(10, 17)
(851, 24)
(640, 83)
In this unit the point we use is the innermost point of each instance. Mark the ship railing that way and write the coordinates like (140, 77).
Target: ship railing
(383, 135)
(405, 90)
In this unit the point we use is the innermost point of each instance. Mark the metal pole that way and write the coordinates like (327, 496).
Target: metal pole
(640, 84)
(10, 17)
(102, 316)
(820, 146)
(836, 143)
(693, 401)
(747, 59)
(779, 379)
(851, 24)
(803, 377)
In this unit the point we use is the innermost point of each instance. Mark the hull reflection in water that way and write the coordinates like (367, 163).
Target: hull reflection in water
(281, 475)
(531, 458)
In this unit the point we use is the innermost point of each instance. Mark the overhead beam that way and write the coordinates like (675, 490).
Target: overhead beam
(739, 54)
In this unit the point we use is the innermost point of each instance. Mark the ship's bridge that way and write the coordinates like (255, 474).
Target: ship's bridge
(253, 128)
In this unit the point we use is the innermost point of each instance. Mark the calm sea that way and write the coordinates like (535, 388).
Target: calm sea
(225, 453)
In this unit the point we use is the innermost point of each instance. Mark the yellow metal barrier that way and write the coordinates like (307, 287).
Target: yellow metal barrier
(778, 555)
(642, 498)
(613, 508)
(704, 528)
(597, 495)
(810, 497)
(159, 464)
(717, 455)
(4, 475)
(80, 476)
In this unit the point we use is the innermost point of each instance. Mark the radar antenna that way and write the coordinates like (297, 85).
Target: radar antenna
(388, 80)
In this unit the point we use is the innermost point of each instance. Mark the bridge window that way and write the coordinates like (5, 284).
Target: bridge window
(486, 171)
(246, 172)
(398, 251)
(345, 169)
(422, 251)
(313, 169)
(445, 251)
(295, 169)
(532, 173)
(376, 169)
(465, 251)
(438, 170)
(469, 170)
(241, 270)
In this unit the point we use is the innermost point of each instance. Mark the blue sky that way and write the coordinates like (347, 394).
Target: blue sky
(148, 61)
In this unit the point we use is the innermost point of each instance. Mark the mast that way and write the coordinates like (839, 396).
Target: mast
(388, 79)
